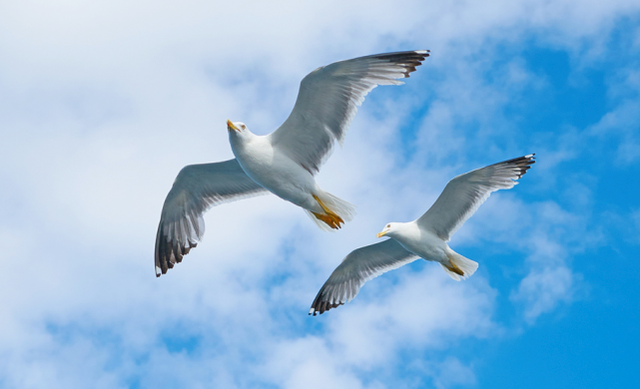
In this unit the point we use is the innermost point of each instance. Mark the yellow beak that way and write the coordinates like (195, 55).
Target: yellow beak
(381, 234)
(230, 126)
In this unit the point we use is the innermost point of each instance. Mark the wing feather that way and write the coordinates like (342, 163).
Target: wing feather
(195, 190)
(465, 193)
(358, 267)
(328, 100)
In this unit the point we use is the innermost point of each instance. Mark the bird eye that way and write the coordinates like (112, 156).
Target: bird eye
(243, 126)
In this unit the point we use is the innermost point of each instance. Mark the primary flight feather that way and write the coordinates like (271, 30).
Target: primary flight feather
(283, 162)
(424, 237)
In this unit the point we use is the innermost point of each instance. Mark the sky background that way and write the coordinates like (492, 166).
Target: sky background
(103, 102)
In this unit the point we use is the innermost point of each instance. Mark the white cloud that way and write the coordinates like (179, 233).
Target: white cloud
(452, 372)
(423, 309)
(543, 289)
(622, 123)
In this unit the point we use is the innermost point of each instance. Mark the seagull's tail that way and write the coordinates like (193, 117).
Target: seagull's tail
(336, 211)
(461, 267)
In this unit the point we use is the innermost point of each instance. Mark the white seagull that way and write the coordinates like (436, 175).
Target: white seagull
(283, 162)
(424, 237)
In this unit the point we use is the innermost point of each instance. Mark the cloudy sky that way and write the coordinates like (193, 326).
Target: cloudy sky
(103, 102)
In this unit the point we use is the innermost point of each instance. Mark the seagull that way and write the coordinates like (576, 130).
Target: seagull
(283, 162)
(425, 237)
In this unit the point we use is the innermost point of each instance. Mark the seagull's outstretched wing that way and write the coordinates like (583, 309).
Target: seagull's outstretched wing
(358, 267)
(464, 194)
(196, 188)
(328, 101)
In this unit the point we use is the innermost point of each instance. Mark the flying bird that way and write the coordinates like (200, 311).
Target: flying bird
(283, 162)
(425, 237)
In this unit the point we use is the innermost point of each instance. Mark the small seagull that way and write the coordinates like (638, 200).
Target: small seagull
(424, 237)
(283, 162)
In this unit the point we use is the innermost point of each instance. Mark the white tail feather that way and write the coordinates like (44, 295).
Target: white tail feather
(336, 205)
(467, 266)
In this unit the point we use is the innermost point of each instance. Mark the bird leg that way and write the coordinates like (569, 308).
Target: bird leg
(331, 219)
(453, 268)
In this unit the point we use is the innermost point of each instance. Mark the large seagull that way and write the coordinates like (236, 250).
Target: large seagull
(283, 162)
(425, 237)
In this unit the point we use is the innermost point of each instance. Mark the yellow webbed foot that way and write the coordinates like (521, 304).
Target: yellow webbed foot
(453, 268)
(330, 218)
(334, 221)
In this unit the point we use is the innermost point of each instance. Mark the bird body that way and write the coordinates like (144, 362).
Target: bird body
(422, 243)
(273, 170)
(425, 237)
(283, 162)
(427, 245)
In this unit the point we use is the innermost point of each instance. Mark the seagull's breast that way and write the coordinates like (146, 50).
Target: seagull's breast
(422, 242)
(273, 170)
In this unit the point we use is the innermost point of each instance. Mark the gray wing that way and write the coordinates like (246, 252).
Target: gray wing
(464, 194)
(358, 267)
(328, 101)
(196, 189)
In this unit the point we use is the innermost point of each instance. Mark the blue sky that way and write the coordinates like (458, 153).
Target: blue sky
(102, 103)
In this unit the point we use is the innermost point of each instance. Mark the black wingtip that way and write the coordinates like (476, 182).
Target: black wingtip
(410, 60)
(320, 307)
(523, 163)
(168, 252)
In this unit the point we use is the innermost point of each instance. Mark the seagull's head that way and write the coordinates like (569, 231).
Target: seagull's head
(237, 128)
(389, 229)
